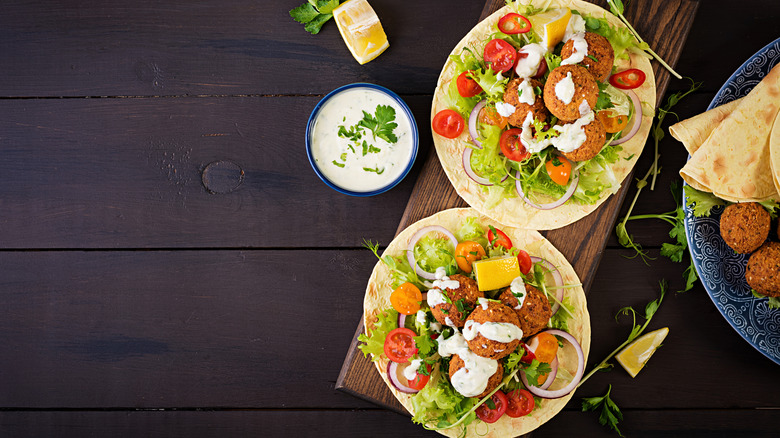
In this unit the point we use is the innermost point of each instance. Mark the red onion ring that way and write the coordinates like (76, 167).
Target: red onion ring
(395, 373)
(558, 281)
(558, 393)
(401, 319)
(637, 118)
(470, 172)
(473, 122)
(551, 375)
(557, 203)
(413, 241)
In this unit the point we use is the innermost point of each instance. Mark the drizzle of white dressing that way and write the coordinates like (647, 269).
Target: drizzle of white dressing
(435, 297)
(505, 109)
(503, 332)
(436, 326)
(444, 282)
(472, 379)
(527, 66)
(527, 139)
(576, 25)
(518, 290)
(584, 108)
(410, 372)
(572, 135)
(580, 49)
(421, 317)
(525, 92)
(346, 109)
(564, 89)
(483, 302)
(449, 322)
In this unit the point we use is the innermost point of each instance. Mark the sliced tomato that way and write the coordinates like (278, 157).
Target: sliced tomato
(529, 355)
(489, 116)
(399, 345)
(512, 23)
(628, 79)
(500, 55)
(420, 380)
(524, 260)
(541, 69)
(468, 252)
(467, 87)
(520, 403)
(491, 414)
(448, 123)
(559, 169)
(499, 238)
(511, 146)
(612, 123)
(406, 299)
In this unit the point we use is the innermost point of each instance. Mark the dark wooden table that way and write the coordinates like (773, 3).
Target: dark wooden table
(136, 302)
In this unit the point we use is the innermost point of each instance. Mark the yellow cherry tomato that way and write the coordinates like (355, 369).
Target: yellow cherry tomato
(406, 299)
(467, 253)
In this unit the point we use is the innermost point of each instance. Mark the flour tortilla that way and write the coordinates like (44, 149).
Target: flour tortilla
(380, 287)
(734, 162)
(774, 153)
(514, 211)
(694, 131)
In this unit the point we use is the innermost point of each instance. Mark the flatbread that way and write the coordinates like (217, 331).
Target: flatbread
(734, 162)
(774, 153)
(514, 211)
(694, 131)
(377, 299)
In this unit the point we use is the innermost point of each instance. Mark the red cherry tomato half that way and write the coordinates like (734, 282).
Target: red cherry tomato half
(529, 355)
(399, 345)
(524, 260)
(499, 238)
(420, 380)
(628, 79)
(520, 403)
(467, 87)
(491, 414)
(513, 23)
(500, 55)
(448, 123)
(511, 146)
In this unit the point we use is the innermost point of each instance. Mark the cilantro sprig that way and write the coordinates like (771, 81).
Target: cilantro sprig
(610, 414)
(314, 13)
(382, 124)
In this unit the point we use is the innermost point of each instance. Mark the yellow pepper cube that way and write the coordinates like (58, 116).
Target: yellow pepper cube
(495, 273)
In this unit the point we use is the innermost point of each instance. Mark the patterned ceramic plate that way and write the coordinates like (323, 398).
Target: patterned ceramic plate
(721, 270)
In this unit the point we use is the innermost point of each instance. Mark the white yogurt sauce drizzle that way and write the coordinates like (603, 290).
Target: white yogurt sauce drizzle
(580, 49)
(503, 332)
(472, 379)
(518, 290)
(564, 89)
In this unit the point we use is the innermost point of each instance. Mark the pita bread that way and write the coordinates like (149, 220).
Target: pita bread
(380, 287)
(514, 211)
(774, 153)
(734, 162)
(694, 131)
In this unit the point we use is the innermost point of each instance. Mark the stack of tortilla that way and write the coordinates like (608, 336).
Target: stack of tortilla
(735, 148)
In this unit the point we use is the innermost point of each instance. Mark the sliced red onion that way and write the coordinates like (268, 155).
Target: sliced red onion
(401, 319)
(551, 375)
(637, 118)
(558, 281)
(395, 372)
(413, 241)
(473, 117)
(575, 179)
(470, 172)
(558, 393)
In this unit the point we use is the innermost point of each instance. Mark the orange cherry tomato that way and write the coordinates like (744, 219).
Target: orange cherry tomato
(467, 253)
(612, 124)
(406, 299)
(545, 348)
(448, 123)
(489, 116)
(467, 87)
(559, 169)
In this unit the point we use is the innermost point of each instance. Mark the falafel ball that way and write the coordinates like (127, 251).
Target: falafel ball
(595, 138)
(599, 57)
(512, 97)
(481, 323)
(447, 313)
(745, 226)
(535, 312)
(457, 363)
(557, 92)
(763, 270)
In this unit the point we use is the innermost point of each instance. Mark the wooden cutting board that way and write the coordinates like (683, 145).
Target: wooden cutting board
(664, 24)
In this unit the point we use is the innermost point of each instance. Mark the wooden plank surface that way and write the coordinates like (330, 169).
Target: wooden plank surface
(582, 242)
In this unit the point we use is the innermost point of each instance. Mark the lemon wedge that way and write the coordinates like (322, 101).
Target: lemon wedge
(361, 30)
(634, 357)
(496, 273)
(550, 26)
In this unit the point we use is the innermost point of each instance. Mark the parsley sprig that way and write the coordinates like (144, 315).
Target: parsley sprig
(382, 124)
(610, 414)
(314, 13)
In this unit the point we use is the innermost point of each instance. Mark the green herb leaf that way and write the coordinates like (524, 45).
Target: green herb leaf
(610, 414)
(382, 124)
(314, 14)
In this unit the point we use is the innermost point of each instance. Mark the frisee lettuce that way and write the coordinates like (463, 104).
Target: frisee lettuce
(374, 343)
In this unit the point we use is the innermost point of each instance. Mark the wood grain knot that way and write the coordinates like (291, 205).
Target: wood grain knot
(222, 176)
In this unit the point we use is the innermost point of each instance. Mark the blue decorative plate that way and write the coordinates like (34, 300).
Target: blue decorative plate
(721, 270)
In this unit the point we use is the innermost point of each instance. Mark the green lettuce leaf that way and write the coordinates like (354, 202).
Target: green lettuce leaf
(374, 342)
